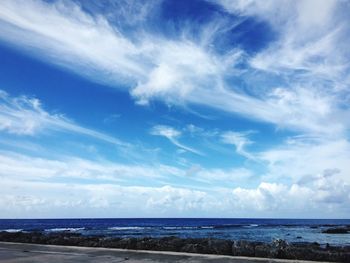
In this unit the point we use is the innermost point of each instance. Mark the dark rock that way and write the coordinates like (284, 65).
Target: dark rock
(336, 230)
(127, 243)
(276, 249)
(191, 248)
(172, 243)
(243, 248)
(262, 250)
(218, 246)
(149, 244)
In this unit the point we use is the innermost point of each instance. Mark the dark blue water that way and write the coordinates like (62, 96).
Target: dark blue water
(292, 230)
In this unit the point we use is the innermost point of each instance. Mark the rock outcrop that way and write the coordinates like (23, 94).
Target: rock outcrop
(276, 249)
(337, 230)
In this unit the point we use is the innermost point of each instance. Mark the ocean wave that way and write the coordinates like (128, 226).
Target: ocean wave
(64, 229)
(179, 227)
(11, 230)
(252, 225)
(186, 227)
(118, 228)
(230, 226)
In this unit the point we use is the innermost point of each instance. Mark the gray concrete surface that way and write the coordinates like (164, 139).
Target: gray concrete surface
(18, 252)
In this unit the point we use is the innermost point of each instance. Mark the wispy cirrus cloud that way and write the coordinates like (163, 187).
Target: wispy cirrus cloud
(188, 69)
(322, 27)
(318, 54)
(28, 168)
(172, 135)
(25, 116)
(240, 140)
(61, 33)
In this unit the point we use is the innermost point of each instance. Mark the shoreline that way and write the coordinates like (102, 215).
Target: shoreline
(276, 249)
(59, 253)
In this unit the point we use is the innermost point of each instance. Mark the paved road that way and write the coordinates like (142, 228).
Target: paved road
(25, 253)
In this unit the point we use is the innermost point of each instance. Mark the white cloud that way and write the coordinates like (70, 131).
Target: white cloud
(26, 116)
(28, 168)
(264, 197)
(305, 157)
(309, 108)
(308, 53)
(221, 177)
(172, 135)
(317, 200)
(308, 34)
(63, 34)
(72, 186)
(182, 68)
(76, 200)
(25, 198)
(318, 55)
(167, 198)
(185, 70)
(240, 141)
(166, 131)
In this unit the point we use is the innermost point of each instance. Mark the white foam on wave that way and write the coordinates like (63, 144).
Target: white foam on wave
(118, 228)
(70, 229)
(252, 225)
(207, 227)
(179, 227)
(12, 230)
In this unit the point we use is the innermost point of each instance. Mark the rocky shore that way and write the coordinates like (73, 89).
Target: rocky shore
(276, 249)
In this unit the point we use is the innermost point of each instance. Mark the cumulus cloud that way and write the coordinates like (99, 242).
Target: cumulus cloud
(305, 157)
(168, 198)
(71, 185)
(58, 199)
(26, 198)
(277, 198)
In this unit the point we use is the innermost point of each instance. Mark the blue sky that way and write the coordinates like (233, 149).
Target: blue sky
(174, 108)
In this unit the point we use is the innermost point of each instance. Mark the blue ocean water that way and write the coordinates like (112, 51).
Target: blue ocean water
(292, 230)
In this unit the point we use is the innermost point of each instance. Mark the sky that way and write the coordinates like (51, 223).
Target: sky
(175, 108)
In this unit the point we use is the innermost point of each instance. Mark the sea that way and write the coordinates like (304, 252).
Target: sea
(265, 230)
